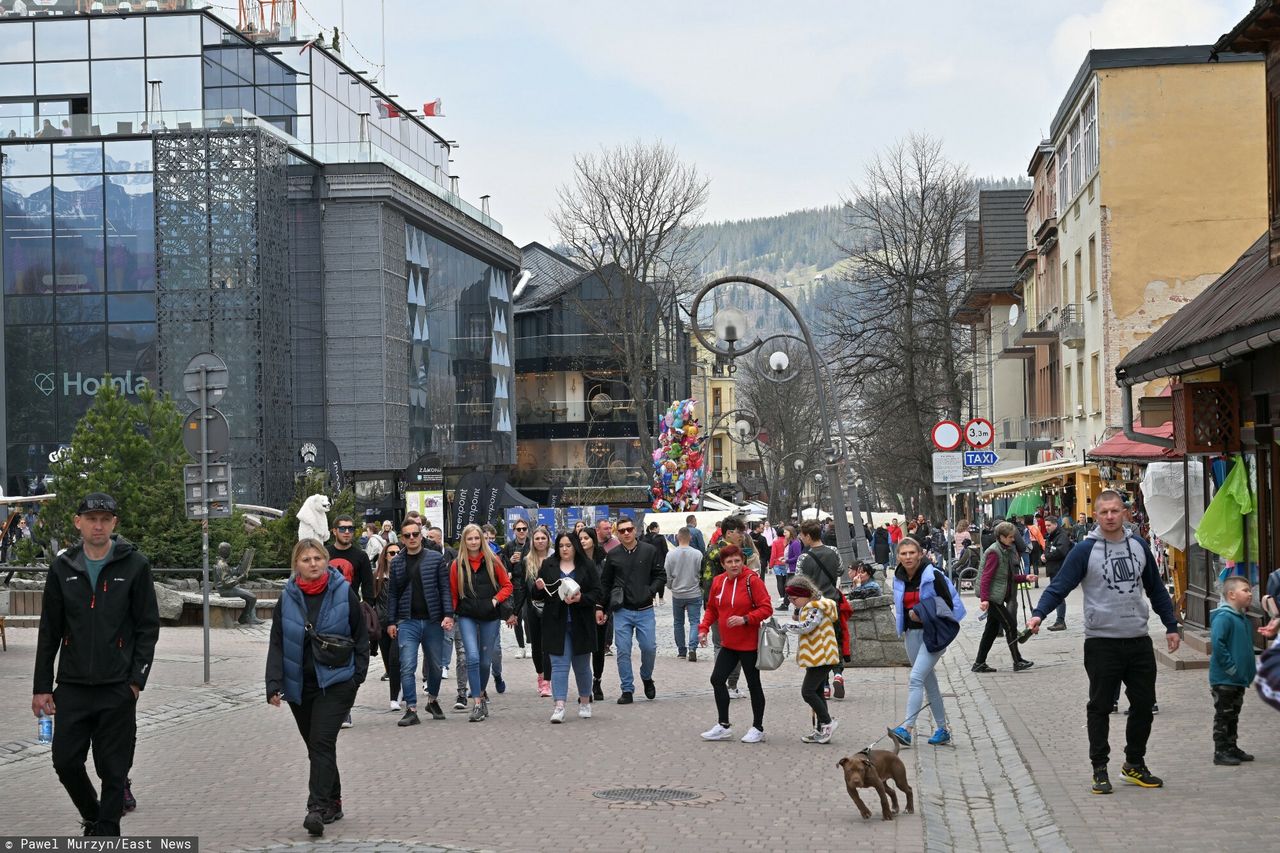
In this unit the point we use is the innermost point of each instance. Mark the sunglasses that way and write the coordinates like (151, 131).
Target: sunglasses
(411, 535)
(346, 528)
(521, 529)
(626, 530)
(391, 553)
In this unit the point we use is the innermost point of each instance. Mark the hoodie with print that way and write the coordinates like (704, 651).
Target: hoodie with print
(745, 595)
(1113, 576)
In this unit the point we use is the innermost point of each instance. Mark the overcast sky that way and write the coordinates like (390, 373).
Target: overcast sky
(779, 103)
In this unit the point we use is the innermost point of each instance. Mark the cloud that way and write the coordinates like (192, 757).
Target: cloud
(1140, 23)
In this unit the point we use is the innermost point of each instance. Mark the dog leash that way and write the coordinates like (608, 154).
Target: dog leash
(888, 731)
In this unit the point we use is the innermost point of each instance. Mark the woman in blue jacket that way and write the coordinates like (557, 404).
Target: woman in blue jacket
(914, 581)
(319, 695)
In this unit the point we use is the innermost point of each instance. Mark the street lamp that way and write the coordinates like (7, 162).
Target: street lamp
(746, 426)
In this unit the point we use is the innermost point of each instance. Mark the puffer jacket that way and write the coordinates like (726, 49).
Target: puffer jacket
(745, 595)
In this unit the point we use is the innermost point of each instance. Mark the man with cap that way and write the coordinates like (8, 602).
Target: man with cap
(96, 594)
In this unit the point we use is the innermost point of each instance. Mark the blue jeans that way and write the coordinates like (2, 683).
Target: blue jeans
(692, 607)
(410, 634)
(560, 672)
(478, 638)
(643, 624)
(923, 679)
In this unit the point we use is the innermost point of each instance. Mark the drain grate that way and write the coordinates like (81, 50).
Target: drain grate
(645, 795)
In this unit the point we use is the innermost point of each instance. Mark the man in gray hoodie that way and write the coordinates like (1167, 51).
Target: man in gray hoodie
(684, 578)
(1113, 568)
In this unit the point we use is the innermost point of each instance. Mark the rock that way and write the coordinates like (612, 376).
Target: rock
(875, 633)
(170, 602)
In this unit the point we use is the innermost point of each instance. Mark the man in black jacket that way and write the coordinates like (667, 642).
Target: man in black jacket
(631, 576)
(97, 595)
(1056, 548)
(513, 554)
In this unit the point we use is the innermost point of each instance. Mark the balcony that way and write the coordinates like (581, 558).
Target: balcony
(1071, 326)
(1010, 336)
(1046, 230)
(1026, 434)
(1045, 332)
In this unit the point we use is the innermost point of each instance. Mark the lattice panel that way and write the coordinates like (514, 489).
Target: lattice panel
(1206, 417)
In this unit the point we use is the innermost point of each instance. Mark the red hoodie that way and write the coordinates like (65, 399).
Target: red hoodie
(745, 595)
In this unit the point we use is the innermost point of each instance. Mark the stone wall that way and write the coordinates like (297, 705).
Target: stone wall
(875, 633)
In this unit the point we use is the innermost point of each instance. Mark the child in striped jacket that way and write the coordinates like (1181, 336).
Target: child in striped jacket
(816, 650)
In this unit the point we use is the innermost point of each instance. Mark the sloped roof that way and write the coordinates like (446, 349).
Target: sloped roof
(551, 273)
(1238, 313)
(1002, 225)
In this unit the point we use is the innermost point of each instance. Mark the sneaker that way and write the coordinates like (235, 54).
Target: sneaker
(825, 732)
(1226, 758)
(484, 706)
(1155, 709)
(522, 654)
(982, 667)
(499, 684)
(1058, 626)
(425, 691)
(460, 704)
(544, 688)
(477, 714)
(584, 711)
(837, 686)
(596, 693)
(1101, 783)
(682, 653)
(626, 698)
(410, 718)
(1023, 665)
(693, 656)
(753, 735)
(1139, 775)
(781, 605)
(434, 709)
(1115, 709)
(332, 812)
(1235, 750)
(557, 716)
(444, 673)
(608, 651)
(385, 677)
(650, 689)
(346, 724)
(941, 737)
(736, 693)
(901, 735)
(130, 803)
(812, 737)
(88, 828)
(717, 732)
(394, 705)
(314, 823)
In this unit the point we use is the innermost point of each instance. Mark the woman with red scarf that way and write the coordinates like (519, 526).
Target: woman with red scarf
(319, 684)
(480, 585)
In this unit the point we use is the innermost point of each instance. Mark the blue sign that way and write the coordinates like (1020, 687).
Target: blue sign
(980, 458)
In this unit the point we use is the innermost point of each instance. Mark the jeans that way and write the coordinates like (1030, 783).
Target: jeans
(727, 661)
(560, 672)
(815, 679)
(643, 625)
(999, 615)
(1110, 662)
(923, 680)
(680, 607)
(103, 718)
(411, 634)
(319, 717)
(478, 638)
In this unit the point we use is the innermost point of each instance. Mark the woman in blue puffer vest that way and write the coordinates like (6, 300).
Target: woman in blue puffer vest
(320, 696)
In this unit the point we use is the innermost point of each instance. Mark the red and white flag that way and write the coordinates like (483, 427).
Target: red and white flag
(388, 110)
(433, 108)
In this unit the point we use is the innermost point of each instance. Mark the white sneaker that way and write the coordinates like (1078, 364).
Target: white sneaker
(584, 711)
(717, 732)
(753, 735)
(557, 716)
(736, 693)
(444, 673)
(521, 654)
(395, 705)
(824, 733)
(424, 688)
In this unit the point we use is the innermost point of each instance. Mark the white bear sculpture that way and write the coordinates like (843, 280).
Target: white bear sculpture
(313, 518)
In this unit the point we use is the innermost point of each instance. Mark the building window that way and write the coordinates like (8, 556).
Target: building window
(1089, 116)
(715, 402)
(1066, 285)
(1079, 275)
(1064, 187)
(1080, 388)
(1067, 386)
(1095, 376)
(1093, 265)
(717, 457)
(1077, 164)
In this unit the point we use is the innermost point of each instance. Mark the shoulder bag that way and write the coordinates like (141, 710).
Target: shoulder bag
(330, 649)
(771, 641)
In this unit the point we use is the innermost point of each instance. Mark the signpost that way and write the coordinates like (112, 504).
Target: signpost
(979, 433)
(207, 437)
(980, 458)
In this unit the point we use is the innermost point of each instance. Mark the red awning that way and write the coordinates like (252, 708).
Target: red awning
(1121, 448)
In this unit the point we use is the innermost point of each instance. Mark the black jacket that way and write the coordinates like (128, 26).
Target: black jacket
(583, 626)
(515, 569)
(1057, 547)
(104, 635)
(639, 574)
(659, 543)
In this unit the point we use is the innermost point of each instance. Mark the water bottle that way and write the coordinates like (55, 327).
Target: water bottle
(45, 728)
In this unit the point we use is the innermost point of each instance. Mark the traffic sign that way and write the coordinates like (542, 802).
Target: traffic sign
(215, 377)
(948, 467)
(219, 440)
(980, 458)
(946, 435)
(979, 433)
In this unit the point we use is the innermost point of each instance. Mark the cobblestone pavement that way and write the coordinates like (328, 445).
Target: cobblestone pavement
(220, 763)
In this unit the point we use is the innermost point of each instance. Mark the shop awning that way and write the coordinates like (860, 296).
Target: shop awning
(1026, 482)
(1121, 448)
(1056, 468)
(1026, 503)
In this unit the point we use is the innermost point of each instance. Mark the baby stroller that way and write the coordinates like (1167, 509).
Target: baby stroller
(966, 568)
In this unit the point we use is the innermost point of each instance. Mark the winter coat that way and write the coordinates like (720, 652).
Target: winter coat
(435, 588)
(745, 595)
(1231, 636)
(556, 614)
(1000, 567)
(1057, 547)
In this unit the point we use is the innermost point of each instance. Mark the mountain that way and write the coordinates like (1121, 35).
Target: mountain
(794, 246)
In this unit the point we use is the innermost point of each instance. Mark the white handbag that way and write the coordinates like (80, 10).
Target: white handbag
(568, 587)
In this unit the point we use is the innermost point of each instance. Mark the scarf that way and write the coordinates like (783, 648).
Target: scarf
(314, 587)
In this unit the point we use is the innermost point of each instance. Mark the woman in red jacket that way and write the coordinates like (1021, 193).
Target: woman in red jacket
(480, 584)
(738, 603)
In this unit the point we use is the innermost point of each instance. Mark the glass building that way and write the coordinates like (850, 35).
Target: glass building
(170, 186)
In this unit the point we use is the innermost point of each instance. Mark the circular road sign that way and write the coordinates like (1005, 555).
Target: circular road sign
(215, 375)
(946, 435)
(979, 433)
(219, 441)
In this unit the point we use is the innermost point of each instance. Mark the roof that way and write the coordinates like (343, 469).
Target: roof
(1121, 448)
(1136, 57)
(1238, 313)
(1256, 30)
(550, 273)
(1002, 227)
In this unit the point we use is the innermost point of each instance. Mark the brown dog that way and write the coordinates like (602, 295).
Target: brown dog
(871, 769)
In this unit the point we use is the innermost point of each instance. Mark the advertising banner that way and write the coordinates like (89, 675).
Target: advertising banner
(430, 505)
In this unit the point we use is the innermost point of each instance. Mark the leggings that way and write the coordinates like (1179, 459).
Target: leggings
(782, 586)
(998, 616)
(726, 661)
(390, 651)
(519, 629)
(541, 663)
(604, 639)
(815, 679)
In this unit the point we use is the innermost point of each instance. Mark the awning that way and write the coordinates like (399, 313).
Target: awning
(1051, 469)
(1027, 482)
(1121, 448)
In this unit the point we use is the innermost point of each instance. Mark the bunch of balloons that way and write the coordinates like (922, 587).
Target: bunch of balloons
(677, 463)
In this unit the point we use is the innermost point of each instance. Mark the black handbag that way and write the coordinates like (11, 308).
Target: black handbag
(330, 649)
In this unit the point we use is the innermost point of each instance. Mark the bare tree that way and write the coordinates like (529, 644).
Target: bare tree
(893, 332)
(627, 217)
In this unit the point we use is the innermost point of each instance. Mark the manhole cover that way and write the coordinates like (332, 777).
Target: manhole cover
(645, 795)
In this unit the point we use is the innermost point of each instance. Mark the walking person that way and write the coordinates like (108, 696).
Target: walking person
(738, 603)
(479, 584)
(420, 609)
(1114, 568)
(100, 588)
(778, 564)
(817, 650)
(318, 681)
(526, 579)
(513, 554)
(569, 621)
(632, 577)
(387, 645)
(604, 630)
(821, 564)
(353, 562)
(1057, 547)
(915, 582)
(998, 591)
(683, 566)
(696, 538)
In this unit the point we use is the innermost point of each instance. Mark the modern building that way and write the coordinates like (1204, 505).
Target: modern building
(172, 185)
(578, 428)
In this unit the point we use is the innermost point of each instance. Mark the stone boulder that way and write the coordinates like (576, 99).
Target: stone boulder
(875, 633)
(170, 602)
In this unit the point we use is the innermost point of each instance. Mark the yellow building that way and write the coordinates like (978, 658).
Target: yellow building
(715, 389)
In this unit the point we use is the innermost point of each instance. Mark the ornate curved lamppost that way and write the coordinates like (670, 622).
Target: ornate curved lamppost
(745, 429)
